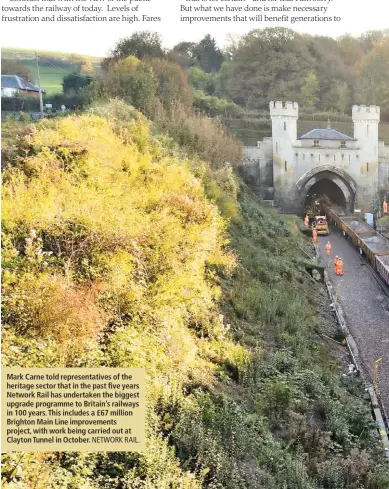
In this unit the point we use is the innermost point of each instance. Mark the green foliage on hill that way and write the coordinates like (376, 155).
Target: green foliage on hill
(119, 250)
(53, 66)
(318, 72)
(160, 89)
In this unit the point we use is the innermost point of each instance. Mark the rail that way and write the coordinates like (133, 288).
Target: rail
(376, 404)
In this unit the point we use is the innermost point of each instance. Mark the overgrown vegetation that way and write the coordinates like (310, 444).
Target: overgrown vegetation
(321, 73)
(132, 243)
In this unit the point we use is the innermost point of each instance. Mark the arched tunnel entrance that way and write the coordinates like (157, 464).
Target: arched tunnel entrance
(333, 182)
(328, 188)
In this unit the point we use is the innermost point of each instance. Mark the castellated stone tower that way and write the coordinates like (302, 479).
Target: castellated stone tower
(284, 137)
(366, 120)
(352, 171)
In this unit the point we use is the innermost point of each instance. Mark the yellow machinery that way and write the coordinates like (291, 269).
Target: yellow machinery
(321, 225)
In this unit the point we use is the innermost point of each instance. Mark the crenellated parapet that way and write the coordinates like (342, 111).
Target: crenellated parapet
(366, 113)
(281, 109)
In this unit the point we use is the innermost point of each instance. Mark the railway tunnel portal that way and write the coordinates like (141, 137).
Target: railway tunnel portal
(336, 184)
(353, 170)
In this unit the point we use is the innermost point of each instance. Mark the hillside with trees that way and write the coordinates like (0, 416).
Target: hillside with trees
(323, 74)
(129, 240)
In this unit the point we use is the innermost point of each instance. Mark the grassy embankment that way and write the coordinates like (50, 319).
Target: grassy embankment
(122, 251)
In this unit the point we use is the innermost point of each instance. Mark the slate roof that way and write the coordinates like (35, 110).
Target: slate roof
(17, 82)
(329, 134)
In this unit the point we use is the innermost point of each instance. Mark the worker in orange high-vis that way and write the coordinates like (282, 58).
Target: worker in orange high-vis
(328, 248)
(336, 259)
(306, 221)
(340, 267)
(314, 235)
(385, 207)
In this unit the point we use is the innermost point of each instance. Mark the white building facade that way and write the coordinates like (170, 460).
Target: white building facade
(353, 171)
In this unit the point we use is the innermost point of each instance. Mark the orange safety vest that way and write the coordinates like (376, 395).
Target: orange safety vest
(328, 248)
(385, 207)
(306, 221)
(340, 267)
(336, 261)
(314, 235)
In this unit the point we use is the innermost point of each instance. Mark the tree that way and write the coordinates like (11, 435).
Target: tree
(309, 90)
(12, 67)
(73, 82)
(222, 80)
(373, 80)
(80, 63)
(142, 45)
(329, 64)
(268, 64)
(208, 55)
(350, 50)
(184, 53)
(131, 80)
(201, 80)
(369, 38)
(172, 83)
(338, 98)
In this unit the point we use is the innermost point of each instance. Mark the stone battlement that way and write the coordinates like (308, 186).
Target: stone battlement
(366, 112)
(287, 109)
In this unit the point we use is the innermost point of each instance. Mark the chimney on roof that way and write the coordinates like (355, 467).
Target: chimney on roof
(25, 78)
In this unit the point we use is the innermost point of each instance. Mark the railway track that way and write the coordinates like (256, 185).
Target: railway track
(362, 299)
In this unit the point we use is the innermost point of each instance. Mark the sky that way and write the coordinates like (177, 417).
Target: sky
(99, 38)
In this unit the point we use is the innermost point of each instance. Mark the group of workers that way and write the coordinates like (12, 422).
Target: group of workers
(338, 262)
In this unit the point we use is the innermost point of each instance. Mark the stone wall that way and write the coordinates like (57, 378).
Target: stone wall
(282, 160)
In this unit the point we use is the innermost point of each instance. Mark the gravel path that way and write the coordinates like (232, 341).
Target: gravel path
(365, 306)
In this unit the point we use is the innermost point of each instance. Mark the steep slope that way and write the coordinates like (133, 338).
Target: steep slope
(121, 251)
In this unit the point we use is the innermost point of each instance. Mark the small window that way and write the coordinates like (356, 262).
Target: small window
(286, 166)
(334, 157)
(284, 126)
(367, 167)
(316, 142)
(343, 144)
